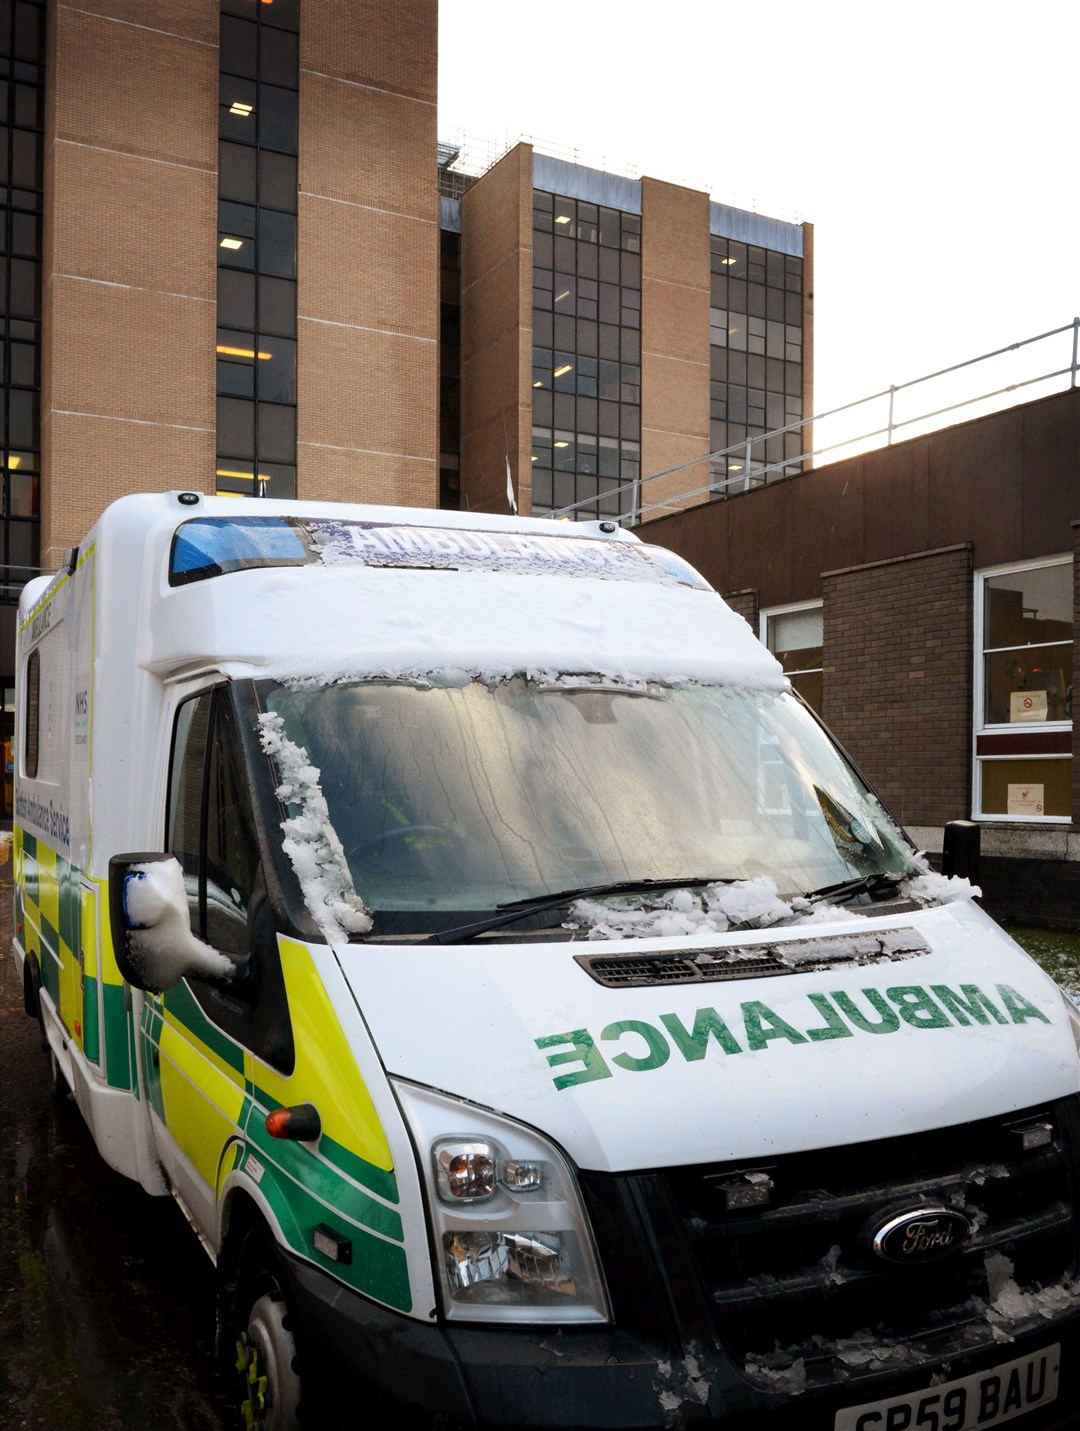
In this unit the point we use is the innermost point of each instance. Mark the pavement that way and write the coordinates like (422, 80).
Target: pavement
(106, 1298)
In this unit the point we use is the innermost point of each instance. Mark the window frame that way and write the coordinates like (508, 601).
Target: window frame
(980, 727)
(793, 608)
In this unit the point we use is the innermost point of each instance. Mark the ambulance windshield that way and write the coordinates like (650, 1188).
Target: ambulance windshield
(468, 796)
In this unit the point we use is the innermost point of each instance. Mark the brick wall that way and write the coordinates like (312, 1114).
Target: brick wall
(496, 335)
(745, 603)
(674, 337)
(129, 258)
(367, 241)
(898, 678)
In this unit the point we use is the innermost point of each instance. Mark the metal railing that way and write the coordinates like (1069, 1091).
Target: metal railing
(754, 471)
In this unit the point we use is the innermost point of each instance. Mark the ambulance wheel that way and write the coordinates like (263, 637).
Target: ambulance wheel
(265, 1345)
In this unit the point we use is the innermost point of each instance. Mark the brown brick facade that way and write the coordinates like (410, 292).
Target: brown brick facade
(1076, 673)
(128, 273)
(897, 678)
(674, 337)
(496, 336)
(367, 240)
(745, 603)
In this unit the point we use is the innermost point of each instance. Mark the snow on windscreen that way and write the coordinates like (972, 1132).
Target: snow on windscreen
(213, 546)
(311, 842)
(743, 904)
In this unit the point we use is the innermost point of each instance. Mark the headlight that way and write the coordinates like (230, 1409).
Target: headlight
(510, 1237)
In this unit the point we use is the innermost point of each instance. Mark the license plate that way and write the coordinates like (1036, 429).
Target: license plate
(986, 1398)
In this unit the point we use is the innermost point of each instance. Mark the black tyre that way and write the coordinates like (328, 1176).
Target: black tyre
(265, 1347)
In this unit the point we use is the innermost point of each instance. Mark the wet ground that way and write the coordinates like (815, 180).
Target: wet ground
(106, 1299)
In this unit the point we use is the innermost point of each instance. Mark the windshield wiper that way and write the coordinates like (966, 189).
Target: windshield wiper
(515, 909)
(877, 886)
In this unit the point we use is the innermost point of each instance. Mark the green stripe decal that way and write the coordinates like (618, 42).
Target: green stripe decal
(181, 1005)
(117, 1046)
(380, 1181)
(323, 1180)
(91, 1032)
(378, 1269)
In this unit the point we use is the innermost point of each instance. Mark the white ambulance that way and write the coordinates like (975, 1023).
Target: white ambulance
(538, 1019)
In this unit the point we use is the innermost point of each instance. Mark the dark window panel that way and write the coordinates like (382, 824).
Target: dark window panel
(276, 370)
(23, 418)
(276, 432)
(588, 261)
(543, 408)
(25, 365)
(239, 47)
(610, 227)
(793, 378)
(277, 118)
(29, 32)
(248, 8)
(235, 378)
(630, 345)
(564, 253)
(631, 270)
(608, 266)
(774, 305)
(26, 200)
(609, 340)
(564, 410)
(737, 368)
(277, 181)
(564, 329)
(237, 219)
(542, 201)
(277, 479)
(793, 308)
(236, 173)
(29, 106)
(26, 158)
(755, 300)
(282, 14)
(542, 221)
(587, 414)
(235, 427)
(631, 233)
(543, 251)
(279, 58)
(236, 299)
(23, 490)
(24, 288)
(736, 295)
(541, 490)
(588, 338)
(235, 251)
(277, 243)
(774, 376)
(542, 329)
(238, 109)
(26, 235)
(277, 306)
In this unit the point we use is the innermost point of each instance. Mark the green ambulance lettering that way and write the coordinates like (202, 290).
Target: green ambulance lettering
(1018, 1007)
(888, 1022)
(658, 1049)
(917, 1008)
(762, 1024)
(911, 1004)
(693, 1043)
(583, 1049)
(970, 1003)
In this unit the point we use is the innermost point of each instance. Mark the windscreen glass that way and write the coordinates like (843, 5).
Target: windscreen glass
(465, 797)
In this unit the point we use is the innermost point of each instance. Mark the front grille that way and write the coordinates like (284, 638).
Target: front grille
(795, 1281)
(752, 961)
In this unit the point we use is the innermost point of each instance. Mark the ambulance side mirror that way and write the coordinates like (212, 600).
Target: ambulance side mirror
(151, 929)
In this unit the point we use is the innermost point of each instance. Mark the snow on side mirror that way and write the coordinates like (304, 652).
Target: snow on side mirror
(152, 937)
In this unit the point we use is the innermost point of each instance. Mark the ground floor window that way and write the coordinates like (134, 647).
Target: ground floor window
(794, 635)
(1023, 691)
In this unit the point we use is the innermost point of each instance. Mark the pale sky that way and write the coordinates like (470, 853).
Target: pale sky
(932, 145)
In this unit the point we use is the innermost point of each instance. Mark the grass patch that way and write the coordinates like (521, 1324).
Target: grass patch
(1057, 951)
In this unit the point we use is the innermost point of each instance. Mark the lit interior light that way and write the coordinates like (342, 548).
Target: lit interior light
(242, 352)
(248, 476)
(13, 462)
(562, 444)
(534, 457)
(563, 219)
(729, 260)
(734, 466)
(560, 296)
(240, 109)
(538, 384)
(561, 372)
(232, 243)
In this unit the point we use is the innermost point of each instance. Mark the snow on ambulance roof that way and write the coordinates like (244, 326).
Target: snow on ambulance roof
(213, 546)
(390, 598)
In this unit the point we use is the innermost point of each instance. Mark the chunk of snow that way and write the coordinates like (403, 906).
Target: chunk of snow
(160, 943)
(311, 842)
(931, 888)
